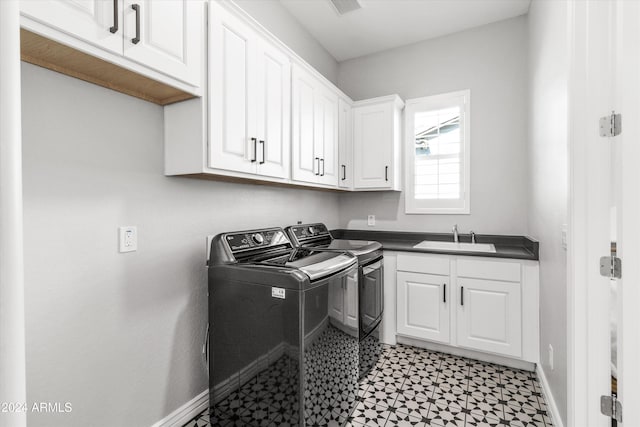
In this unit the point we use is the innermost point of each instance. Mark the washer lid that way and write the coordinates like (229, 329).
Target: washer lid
(322, 264)
(356, 247)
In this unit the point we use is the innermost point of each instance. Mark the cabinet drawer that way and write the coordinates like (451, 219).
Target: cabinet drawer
(492, 270)
(423, 264)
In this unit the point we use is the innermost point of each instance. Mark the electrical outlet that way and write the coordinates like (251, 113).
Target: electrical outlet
(564, 236)
(128, 238)
(371, 220)
(551, 356)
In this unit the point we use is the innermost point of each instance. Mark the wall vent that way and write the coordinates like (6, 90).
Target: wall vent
(345, 6)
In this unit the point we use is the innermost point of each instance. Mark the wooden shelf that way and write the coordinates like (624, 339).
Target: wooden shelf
(55, 56)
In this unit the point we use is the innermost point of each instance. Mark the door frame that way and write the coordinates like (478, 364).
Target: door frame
(589, 222)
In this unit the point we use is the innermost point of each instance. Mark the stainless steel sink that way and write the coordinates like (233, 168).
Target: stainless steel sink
(452, 246)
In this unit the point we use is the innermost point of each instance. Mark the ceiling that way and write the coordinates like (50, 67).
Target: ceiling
(385, 24)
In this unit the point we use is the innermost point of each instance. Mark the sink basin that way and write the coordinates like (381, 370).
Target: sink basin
(451, 246)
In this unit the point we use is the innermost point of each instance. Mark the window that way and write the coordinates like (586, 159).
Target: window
(437, 154)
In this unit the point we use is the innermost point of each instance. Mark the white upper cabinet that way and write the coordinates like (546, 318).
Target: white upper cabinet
(326, 140)
(376, 142)
(305, 161)
(249, 98)
(345, 145)
(315, 130)
(233, 135)
(273, 104)
(98, 22)
(165, 36)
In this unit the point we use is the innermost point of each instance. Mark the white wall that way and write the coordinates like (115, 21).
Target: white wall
(119, 335)
(548, 175)
(491, 61)
(279, 21)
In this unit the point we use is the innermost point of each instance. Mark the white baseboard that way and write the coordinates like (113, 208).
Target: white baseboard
(186, 412)
(548, 397)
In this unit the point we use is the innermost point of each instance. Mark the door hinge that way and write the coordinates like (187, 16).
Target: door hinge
(611, 407)
(611, 266)
(611, 125)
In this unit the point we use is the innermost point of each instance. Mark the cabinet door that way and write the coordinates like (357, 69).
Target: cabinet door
(326, 147)
(423, 306)
(489, 316)
(274, 111)
(98, 22)
(373, 146)
(233, 136)
(305, 162)
(167, 36)
(345, 145)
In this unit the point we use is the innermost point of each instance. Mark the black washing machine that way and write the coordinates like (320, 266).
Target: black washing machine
(276, 357)
(370, 283)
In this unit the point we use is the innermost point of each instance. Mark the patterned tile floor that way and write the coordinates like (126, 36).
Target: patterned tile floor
(416, 387)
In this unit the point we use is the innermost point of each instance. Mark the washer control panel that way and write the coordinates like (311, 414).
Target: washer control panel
(255, 239)
(306, 232)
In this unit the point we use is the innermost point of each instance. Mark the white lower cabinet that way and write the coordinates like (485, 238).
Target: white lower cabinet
(343, 301)
(489, 316)
(488, 306)
(423, 306)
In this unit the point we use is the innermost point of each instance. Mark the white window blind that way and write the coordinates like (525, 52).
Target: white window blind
(437, 154)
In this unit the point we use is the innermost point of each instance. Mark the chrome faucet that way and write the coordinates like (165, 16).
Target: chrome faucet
(455, 234)
(473, 237)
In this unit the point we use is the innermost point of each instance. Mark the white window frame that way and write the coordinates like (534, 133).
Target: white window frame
(436, 102)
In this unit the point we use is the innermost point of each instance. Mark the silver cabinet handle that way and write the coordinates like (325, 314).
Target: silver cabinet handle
(136, 39)
(114, 28)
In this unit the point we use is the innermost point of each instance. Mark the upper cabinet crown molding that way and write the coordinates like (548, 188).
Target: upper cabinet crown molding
(107, 42)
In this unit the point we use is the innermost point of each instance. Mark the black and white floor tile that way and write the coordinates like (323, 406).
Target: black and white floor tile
(415, 387)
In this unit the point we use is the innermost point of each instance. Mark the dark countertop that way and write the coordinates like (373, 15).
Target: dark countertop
(517, 247)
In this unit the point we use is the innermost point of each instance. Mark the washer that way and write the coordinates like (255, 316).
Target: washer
(275, 356)
(370, 283)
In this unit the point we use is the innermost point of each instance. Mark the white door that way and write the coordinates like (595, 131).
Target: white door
(423, 306)
(233, 137)
(489, 316)
(605, 207)
(98, 22)
(345, 145)
(305, 162)
(273, 103)
(167, 36)
(326, 147)
(627, 201)
(372, 141)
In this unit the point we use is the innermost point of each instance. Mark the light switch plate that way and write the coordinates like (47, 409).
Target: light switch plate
(128, 238)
